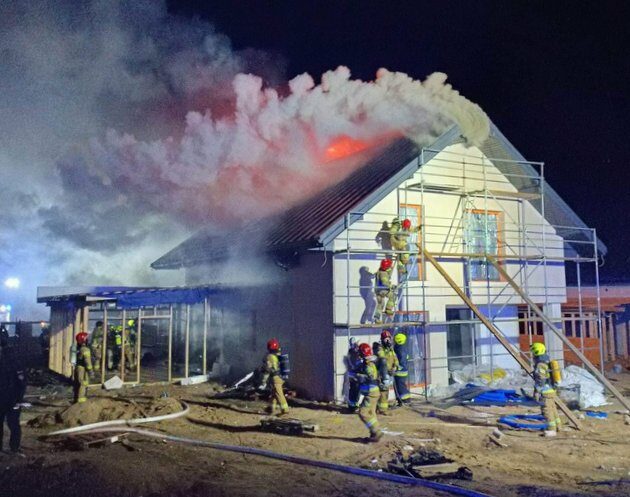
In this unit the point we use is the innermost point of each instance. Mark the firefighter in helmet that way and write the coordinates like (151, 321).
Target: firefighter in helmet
(368, 379)
(353, 366)
(271, 368)
(114, 346)
(391, 366)
(385, 291)
(82, 369)
(402, 373)
(96, 344)
(544, 388)
(131, 338)
(399, 236)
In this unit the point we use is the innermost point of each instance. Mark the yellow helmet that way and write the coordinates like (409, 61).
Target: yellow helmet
(400, 338)
(131, 322)
(538, 349)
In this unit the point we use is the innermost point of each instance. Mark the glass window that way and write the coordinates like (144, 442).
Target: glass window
(482, 234)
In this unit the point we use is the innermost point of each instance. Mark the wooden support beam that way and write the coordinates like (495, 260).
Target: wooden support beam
(515, 353)
(591, 368)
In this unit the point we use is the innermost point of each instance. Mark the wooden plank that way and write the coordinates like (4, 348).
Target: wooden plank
(591, 368)
(515, 353)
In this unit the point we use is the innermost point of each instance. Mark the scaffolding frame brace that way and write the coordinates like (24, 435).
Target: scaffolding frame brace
(538, 311)
(495, 331)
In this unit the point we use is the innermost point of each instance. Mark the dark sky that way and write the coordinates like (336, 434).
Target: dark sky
(553, 76)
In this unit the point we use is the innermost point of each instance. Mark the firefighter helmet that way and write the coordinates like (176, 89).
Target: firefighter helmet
(386, 334)
(386, 264)
(273, 345)
(406, 224)
(538, 349)
(400, 338)
(365, 350)
(81, 338)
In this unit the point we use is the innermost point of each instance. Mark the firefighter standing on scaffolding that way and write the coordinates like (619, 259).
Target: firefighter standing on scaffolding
(385, 291)
(399, 236)
(544, 388)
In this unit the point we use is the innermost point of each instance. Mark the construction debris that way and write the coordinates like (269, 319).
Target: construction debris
(287, 426)
(113, 383)
(194, 380)
(428, 464)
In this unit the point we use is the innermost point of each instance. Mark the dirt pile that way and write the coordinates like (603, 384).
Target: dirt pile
(107, 409)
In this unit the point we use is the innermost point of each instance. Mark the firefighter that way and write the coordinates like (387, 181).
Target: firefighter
(83, 368)
(402, 373)
(368, 381)
(544, 388)
(388, 357)
(114, 347)
(399, 236)
(385, 291)
(353, 365)
(12, 389)
(271, 368)
(131, 338)
(96, 344)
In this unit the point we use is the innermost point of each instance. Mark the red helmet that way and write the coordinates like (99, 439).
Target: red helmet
(365, 350)
(81, 338)
(386, 334)
(273, 345)
(406, 224)
(386, 264)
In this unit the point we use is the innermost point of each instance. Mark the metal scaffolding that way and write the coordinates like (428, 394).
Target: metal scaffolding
(495, 227)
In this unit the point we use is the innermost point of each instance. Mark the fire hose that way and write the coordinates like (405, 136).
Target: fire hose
(121, 422)
(102, 428)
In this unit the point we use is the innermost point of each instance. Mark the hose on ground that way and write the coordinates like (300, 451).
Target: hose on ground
(122, 422)
(444, 487)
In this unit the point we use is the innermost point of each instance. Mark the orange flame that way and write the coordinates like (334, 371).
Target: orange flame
(342, 146)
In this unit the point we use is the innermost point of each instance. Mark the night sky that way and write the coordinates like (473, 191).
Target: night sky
(552, 76)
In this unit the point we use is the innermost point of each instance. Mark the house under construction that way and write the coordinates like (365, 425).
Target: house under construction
(486, 277)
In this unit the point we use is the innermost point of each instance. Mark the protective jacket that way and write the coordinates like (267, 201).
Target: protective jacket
(542, 375)
(383, 279)
(368, 377)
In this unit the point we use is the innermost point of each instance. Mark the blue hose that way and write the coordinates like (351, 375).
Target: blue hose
(513, 421)
(444, 487)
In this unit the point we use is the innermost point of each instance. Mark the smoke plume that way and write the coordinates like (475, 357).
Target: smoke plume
(124, 129)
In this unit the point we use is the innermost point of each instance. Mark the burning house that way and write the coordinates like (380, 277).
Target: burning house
(487, 272)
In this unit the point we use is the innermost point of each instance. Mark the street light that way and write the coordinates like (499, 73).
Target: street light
(12, 282)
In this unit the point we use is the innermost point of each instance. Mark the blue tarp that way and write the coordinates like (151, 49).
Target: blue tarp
(499, 397)
(145, 298)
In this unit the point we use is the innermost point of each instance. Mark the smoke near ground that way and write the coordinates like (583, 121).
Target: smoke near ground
(124, 129)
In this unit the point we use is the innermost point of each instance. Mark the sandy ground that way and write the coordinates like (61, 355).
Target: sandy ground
(587, 462)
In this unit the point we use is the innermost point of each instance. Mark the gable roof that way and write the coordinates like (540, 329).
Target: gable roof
(320, 219)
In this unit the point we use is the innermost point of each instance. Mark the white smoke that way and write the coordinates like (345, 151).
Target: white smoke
(123, 129)
(269, 152)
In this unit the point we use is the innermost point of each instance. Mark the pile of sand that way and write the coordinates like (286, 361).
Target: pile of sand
(107, 409)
